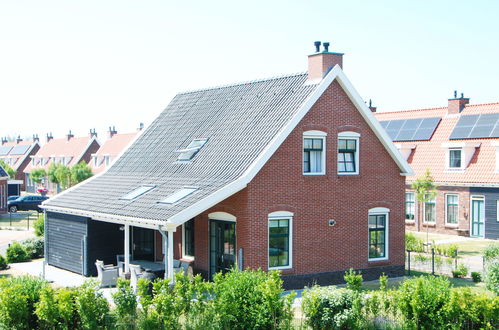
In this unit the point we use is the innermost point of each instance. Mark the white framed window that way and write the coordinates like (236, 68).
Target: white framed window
(348, 153)
(455, 158)
(410, 206)
(451, 209)
(191, 150)
(280, 243)
(188, 239)
(429, 210)
(314, 153)
(107, 160)
(378, 233)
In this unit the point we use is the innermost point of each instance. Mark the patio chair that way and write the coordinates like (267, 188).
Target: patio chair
(120, 261)
(186, 268)
(135, 274)
(107, 275)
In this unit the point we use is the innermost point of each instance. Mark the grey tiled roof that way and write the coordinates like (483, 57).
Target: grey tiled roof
(239, 120)
(3, 173)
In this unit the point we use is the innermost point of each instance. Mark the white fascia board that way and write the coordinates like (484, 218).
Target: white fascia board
(373, 123)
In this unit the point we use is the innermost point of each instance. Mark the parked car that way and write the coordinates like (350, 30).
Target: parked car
(26, 203)
(11, 198)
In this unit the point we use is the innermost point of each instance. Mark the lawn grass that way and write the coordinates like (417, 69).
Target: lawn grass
(18, 220)
(466, 246)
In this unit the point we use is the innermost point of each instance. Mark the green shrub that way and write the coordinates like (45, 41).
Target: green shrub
(420, 301)
(476, 276)
(466, 310)
(39, 225)
(412, 243)
(491, 252)
(380, 310)
(92, 307)
(421, 258)
(251, 299)
(34, 247)
(383, 281)
(57, 308)
(331, 308)
(16, 253)
(3, 263)
(460, 271)
(353, 279)
(18, 296)
(125, 301)
(492, 277)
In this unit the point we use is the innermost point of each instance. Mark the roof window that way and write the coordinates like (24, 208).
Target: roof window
(136, 193)
(191, 150)
(178, 195)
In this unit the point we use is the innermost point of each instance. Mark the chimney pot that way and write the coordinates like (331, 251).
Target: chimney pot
(456, 105)
(112, 132)
(69, 136)
(319, 64)
(455, 94)
(326, 46)
(317, 45)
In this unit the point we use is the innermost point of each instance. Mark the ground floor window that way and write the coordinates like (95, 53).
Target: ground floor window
(189, 238)
(377, 235)
(279, 242)
(430, 210)
(409, 206)
(452, 206)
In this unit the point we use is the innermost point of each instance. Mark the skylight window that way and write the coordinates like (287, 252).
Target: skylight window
(178, 195)
(191, 150)
(137, 192)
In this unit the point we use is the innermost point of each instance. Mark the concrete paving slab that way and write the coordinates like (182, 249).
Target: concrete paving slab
(55, 275)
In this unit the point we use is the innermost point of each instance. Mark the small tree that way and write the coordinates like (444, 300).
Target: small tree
(10, 171)
(51, 172)
(425, 190)
(63, 175)
(80, 172)
(37, 175)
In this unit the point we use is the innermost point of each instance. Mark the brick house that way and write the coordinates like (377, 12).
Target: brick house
(68, 151)
(110, 150)
(17, 154)
(3, 190)
(459, 144)
(274, 174)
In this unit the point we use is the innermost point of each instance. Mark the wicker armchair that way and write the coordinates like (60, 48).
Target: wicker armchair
(107, 275)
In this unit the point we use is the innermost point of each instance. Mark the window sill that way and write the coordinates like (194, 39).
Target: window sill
(188, 258)
(314, 174)
(280, 268)
(348, 174)
(378, 261)
(452, 226)
(410, 222)
(426, 224)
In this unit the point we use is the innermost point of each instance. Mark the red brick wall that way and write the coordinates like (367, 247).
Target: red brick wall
(20, 175)
(463, 226)
(281, 186)
(3, 196)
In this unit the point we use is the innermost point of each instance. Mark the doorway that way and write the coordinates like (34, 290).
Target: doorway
(222, 246)
(477, 216)
(142, 244)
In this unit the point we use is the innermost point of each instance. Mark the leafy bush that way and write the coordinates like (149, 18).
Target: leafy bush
(18, 296)
(57, 309)
(383, 281)
(420, 301)
(491, 252)
(380, 310)
(476, 276)
(353, 279)
(3, 263)
(92, 307)
(331, 308)
(126, 303)
(492, 277)
(17, 253)
(39, 225)
(460, 271)
(251, 299)
(412, 243)
(34, 247)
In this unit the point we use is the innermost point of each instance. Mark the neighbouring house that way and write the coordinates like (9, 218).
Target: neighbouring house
(68, 151)
(110, 149)
(291, 173)
(17, 154)
(4, 177)
(459, 144)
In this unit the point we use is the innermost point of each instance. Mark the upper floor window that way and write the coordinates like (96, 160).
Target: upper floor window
(348, 153)
(314, 153)
(191, 150)
(455, 158)
(409, 206)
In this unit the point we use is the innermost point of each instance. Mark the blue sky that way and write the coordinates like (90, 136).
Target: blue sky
(93, 64)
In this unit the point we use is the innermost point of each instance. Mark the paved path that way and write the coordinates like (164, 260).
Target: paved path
(9, 236)
(56, 275)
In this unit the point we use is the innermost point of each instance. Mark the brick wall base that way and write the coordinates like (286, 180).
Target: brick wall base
(328, 278)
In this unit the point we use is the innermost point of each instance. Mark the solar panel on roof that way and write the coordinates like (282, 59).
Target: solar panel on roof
(476, 126)
(411, 129)
(19, 150)
(4, 150)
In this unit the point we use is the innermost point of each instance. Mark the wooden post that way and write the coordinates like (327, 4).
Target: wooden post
(127, 248)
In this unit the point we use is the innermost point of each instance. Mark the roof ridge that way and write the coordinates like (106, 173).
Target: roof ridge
(243, 83)
(411, 110)
(481, 104)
